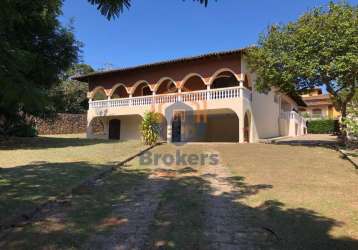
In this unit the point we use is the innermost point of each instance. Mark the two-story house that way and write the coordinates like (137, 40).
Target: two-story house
(207, 98)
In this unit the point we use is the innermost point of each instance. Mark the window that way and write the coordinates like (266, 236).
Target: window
(317, 112)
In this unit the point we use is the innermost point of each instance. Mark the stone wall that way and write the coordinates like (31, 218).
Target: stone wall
(62, 124)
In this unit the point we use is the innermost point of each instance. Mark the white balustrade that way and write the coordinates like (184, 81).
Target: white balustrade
(201, 95)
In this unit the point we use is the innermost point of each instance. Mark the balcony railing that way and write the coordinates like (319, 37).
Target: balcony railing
(292, 115)
(201, 95)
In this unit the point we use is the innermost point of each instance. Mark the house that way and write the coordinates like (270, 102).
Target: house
(318, 106)
(210, 98)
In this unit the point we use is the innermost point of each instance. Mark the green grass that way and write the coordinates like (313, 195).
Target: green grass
(313, 200)
(34, 170)
(89, 213)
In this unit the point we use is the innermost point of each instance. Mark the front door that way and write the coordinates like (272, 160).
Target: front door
(246, 128)
(176, 128)
(115, 129)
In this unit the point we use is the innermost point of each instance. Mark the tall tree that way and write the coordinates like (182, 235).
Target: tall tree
(113, 8)
(34, 51)
(70, 96)
(319, 49)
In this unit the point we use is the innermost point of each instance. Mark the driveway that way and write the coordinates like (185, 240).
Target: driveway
(224, 196)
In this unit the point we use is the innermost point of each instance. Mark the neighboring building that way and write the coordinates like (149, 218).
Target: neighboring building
(204, 98)
(319, 106)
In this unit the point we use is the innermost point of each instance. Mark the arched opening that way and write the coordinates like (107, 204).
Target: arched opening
(166, 86)
(114, 132)
(247, 126)
(193, 83)
(142, 89)
(99, 94)
(218, 125)
(120, 92)
(225, 79)
(163, 128)
(97, 128)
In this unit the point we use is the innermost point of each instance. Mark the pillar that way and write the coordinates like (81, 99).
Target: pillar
(169, 132)
(241, 113)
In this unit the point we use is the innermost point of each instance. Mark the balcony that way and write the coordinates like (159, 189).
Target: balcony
(194, 96)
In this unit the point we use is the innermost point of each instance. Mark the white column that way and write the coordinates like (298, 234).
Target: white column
(179, 95)
(169, 132)
(241, 113)
(89, 129)
(208, 87)
(130, 99)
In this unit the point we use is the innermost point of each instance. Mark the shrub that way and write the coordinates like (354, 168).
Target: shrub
(150, 128)
(17, 125)
(323, 126)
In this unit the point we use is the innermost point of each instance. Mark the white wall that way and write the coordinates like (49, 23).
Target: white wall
(265, 112)
(130, 127)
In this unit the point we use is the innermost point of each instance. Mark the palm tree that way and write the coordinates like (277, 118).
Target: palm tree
(113, 8)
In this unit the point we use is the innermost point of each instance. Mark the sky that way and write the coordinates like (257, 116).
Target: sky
(152, 31)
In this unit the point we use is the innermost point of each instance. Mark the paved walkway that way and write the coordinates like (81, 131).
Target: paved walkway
(229, 224)
(310, 140)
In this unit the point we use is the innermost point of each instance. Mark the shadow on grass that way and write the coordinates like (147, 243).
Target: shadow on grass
(47, 142)
(180, 220)
(23, 188)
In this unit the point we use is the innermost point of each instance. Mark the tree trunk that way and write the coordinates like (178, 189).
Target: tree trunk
(342, 125)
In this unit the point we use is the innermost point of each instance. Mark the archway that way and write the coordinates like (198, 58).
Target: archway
(120, 92)
(247, 126)
(193, 83)
(166, 86)
(225, 79)
(114, 132)
(163, 127)
(99, 94)
(142, 89)
(216, 125)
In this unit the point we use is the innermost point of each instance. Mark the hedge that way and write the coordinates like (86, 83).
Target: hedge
(323, 127)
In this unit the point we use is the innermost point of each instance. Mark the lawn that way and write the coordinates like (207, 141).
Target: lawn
(33, 170)
(305, 197)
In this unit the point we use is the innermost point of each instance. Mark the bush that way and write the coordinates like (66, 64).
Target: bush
(323, 127)
(150, 128)
(17, 125)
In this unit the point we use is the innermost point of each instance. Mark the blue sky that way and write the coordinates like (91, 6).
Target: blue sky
(165, 29)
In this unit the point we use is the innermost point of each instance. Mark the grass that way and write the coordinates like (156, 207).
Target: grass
(306, 195)
(179, 221)
(313, 199)
(88, 213)
(34, 170)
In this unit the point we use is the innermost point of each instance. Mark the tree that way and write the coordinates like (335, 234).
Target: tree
(351, 121)
(34, 51)
(70, 96)
(113, 8)
(319, 49)
(150, 128)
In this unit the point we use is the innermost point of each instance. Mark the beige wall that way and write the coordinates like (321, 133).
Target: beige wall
(130, 127)
(223, 128)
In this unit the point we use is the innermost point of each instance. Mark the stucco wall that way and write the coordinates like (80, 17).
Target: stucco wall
(223, 128)
(130, 127)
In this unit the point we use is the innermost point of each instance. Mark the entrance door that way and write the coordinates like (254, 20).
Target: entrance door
(176, 128)
(115, 129)
(246, 128)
